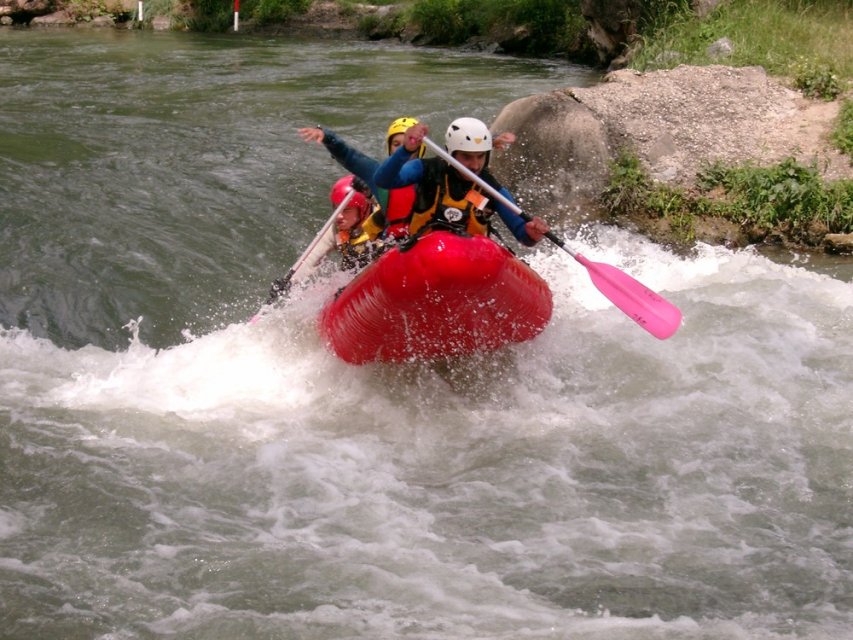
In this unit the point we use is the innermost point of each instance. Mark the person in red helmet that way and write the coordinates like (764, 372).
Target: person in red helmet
(351, 231)
(357, 233)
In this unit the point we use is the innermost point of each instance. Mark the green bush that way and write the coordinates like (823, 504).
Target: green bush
(212, 15)
(272, 11)
(387, 26)
(552, 25)
(631, 191)
(546, 21)
(629, 185)
(218, 15)
(842, 135)
(658, 14)
(787, 193)
(816, 80)
(441, 21)
(86, 9)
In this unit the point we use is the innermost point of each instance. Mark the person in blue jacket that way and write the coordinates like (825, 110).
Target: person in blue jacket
(445, 198)
(394, 205)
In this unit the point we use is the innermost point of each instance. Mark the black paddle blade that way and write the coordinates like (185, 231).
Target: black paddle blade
(280, 287)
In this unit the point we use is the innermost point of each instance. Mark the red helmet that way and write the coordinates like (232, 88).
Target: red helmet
(340, 190)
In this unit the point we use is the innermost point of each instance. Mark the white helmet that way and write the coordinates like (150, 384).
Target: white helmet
(468, 134)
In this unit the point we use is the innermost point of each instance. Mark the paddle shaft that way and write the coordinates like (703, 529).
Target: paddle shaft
(343, 205)
(282, 285)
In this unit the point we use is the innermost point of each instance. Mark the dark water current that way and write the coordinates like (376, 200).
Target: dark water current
(191, 476)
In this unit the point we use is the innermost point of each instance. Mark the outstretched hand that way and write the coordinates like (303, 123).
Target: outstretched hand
(311, 134)
(502, 141)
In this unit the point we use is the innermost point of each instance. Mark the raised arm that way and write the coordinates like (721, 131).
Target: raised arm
(351, 159)
(398, 170)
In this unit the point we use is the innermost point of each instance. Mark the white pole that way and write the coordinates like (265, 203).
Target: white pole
(236, 21)
(139, 10)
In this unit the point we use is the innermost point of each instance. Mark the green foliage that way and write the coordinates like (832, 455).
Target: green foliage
(770, 33)
(547, 20)
(786, 194)
(631, 191)
(387, 26)
(629, 184)
(673, 204)
(86, 9)
(552, 25)
(272, 11)
(162, 8)
(658, 14)
(213, 15)
(842, 135)
(441, 20)
(218, 15)
(816, 80)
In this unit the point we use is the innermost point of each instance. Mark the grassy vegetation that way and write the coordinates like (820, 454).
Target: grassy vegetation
(842, 136)
(808, 41)
(632, 190)
(218, 15)
(86, 9)
(787, 196)
(776, 34)
(551, 25)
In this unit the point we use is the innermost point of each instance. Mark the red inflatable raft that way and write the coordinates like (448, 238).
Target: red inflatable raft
(446, 296)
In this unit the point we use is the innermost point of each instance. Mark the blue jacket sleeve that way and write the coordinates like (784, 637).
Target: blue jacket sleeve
(512, 220)
(351, 159)
(398, 171)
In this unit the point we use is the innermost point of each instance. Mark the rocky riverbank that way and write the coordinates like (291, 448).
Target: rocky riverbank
(675, 121)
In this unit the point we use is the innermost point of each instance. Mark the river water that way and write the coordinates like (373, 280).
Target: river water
(187, 475)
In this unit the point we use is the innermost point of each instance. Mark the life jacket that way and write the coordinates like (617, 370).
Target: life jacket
(397, 207)
(358, 248)
(449, 201)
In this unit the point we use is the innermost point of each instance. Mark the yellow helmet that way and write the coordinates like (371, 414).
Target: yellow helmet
(400, 125)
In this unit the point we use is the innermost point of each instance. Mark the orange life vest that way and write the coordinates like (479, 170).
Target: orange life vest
(462, 212)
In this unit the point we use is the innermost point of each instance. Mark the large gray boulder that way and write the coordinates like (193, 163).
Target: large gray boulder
(560, 161)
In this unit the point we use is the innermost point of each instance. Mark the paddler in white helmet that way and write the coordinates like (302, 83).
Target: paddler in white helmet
(445, 198)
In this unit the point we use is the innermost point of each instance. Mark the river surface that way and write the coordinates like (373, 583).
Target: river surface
(169, 471)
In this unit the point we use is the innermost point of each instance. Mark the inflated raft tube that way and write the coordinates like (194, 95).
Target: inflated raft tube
(445, 296)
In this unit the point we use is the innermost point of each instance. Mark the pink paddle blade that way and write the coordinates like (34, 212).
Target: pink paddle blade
(659, 317)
